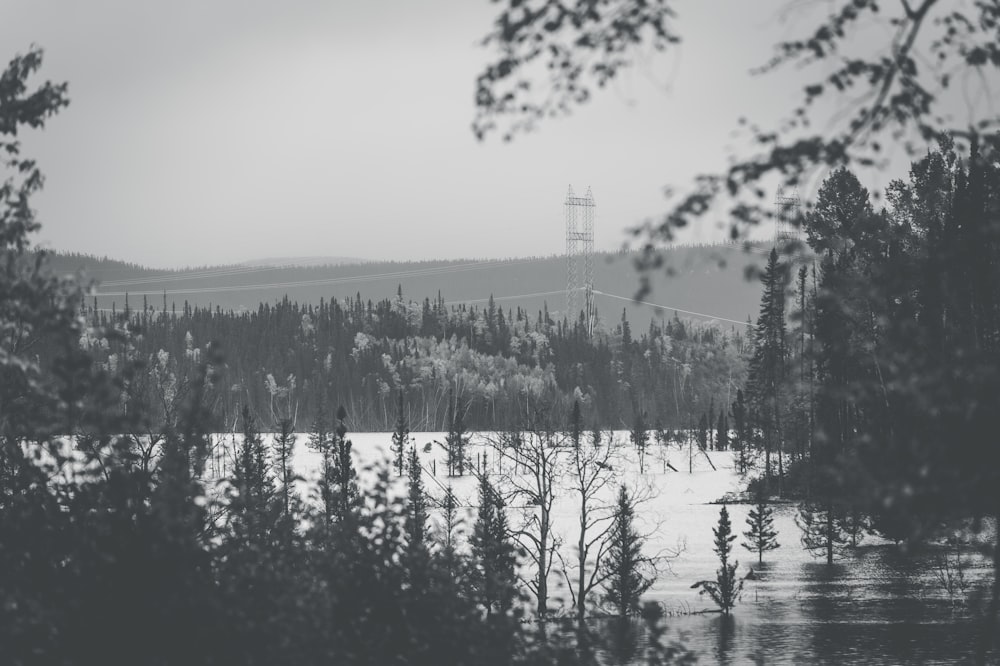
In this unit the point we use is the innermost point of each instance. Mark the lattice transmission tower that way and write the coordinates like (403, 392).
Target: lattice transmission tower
(580, 213)
(786, 210)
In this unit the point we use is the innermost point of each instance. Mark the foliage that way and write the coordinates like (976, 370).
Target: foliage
(400, 435)
(625, 569)
(362, 354)
(726, 588)
(822, 532)
(493, 552)
(760, 535)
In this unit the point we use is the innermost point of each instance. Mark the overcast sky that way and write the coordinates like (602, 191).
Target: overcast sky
(212, 132)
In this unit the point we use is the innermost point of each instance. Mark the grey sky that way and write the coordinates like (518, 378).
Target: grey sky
(208, 132)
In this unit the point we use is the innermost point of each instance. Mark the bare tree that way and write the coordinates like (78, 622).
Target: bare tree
(591, 472)
(534, 454)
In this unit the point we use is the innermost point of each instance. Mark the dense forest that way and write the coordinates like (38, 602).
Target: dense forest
(289, 359)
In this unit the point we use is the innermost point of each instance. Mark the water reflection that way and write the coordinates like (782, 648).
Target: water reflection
(872, 607)
(623, 639)
(724, 628)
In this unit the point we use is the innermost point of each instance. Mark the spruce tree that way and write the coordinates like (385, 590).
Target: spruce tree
(321, 441)
(254, 485)
(767, 365)
(726, 588)
(624, 567)
(722, 432)
(703, 430)
(822, 529)
(760, 535)
(457, 439)
(742, 433)
(345, 495)
(449, 508)
(639, 434)
(284, 445)
(400, 435)
(416, 506)
(493, 552)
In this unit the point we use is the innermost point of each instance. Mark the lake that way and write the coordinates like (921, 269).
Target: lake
(875, 605)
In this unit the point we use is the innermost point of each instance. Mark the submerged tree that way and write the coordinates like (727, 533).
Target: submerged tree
(626, 571)
(726, 588)
(822, 530)
(760, 535)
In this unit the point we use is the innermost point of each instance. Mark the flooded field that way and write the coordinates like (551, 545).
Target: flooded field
(875, 605)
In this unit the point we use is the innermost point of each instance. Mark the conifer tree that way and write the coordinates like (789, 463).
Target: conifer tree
(345, 495)
(400, 435)
(624, 567)
(722, 432)
(767, 366)
(457, 439)
(493, 552)
(703, 430)
(760, 535)
(416, 506)
(822, 529)
(284, 445)
(321, 441)
(639, 434)
(741, 432)
(254, 485)
(726, 588)
(449, 508)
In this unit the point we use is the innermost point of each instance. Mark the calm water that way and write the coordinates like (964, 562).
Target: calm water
(875, 605)
(872, 607)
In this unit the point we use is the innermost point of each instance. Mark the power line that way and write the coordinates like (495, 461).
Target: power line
(600, 293)
(440, 270)
(669, 307)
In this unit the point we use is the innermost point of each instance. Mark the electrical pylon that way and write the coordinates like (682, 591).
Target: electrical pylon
(786, 210)
(580, 213)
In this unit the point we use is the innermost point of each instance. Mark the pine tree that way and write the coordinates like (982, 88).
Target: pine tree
(493, 552)
(449, 507)
(760, 537)
(456, 440)
(321, 441)
(703, 430)
(722, 432)
(767, 366)
(416, 506)
(639, 434)
(284, 445)
(253, 483)
(726, 588)
(822, 530)
(400, 435)
(624, 564)
(742, 433)
(345, 495)
(576, 425)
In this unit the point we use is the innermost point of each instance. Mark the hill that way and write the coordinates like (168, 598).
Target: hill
(707, 282)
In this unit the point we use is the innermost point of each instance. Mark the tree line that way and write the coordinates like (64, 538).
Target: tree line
(362, 354)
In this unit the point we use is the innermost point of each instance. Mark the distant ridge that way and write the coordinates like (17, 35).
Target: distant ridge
(304, 261)
(707, 282)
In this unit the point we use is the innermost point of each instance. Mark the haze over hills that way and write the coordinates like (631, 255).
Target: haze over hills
(303, 261)
(708, 282)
